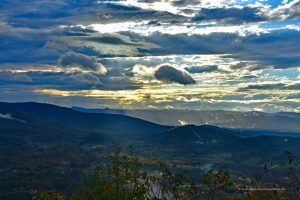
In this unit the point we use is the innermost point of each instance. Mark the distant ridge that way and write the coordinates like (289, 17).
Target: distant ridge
(280, 122)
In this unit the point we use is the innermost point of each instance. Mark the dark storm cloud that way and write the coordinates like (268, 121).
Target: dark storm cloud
(213, 43)
(32, 32)
(230, 15)
(250, 76)
(75, 80)
(24, 45)
(271, 86)
(251, 66)
(110, 12)
(293, 87)
(40, 14)
(107, 39)
(203, 69)
(180, 3)
(112, 40)
(279, 48)
(170, 74)
(82, 61)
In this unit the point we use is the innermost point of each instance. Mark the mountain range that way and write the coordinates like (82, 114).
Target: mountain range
(45, 123)
(282, 121)
(46, 143)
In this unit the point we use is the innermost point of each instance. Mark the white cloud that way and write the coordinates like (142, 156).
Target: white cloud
(9, 117)
(188, 28)
(183, 122)
(6, 116)
(288, 10)
(143, 72)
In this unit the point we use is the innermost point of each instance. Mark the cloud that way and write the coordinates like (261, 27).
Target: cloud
(108, 39)
(164, 73)
(87, 78)
(5, 116)
(143, 72)
(271, 86)
(15, 78)
(290, 10)
(9, 117)
(276, 47)
(230, 15)
(198, 70)
(168, 73)
(241, 42)
(293, 86)
(69, 79)
(72, 59)
(109, 44)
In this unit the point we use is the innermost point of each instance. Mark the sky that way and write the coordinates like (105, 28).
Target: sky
(239, 55)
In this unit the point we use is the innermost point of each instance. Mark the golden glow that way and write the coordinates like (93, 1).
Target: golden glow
(152, 95)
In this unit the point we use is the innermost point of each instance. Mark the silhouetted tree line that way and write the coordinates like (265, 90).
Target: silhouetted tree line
(124, 177)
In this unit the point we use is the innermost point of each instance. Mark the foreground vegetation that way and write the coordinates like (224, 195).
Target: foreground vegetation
(128, 177)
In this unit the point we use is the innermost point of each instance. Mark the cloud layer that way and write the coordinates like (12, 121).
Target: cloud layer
(152, 53)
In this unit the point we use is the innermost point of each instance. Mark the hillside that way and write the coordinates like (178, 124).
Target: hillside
(105, 123)
(192, 135)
